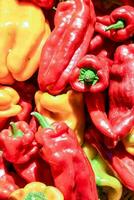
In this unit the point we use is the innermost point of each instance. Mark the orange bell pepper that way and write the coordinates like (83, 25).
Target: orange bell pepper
(67, 107)
(36, 190)
(23, 31)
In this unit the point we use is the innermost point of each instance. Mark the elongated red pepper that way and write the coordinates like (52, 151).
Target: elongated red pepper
(69, 166)
(18, 143)
(118, 159)
(91, 74)
(120, 118)
(35, 169)
(67, 44)
(120, 26)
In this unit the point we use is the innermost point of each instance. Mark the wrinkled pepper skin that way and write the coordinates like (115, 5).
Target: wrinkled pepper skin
(67, 107)
(18, 143)
(120, 119)
(9, 104)
(91, 74)
(118, 33)
(60, 149)
(118, 159)
(36, 190)
(128, 142)
(23, 31)
(36, 169)
(67, 44)
(103, 173)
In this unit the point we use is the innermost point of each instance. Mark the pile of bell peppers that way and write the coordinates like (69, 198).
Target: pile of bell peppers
(66, 99)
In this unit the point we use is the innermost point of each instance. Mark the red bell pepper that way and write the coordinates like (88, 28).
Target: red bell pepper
(18, 143)
(35, 169)
(69, 166)
(9, 181)
(119, 26)
(67, 44)
(91, 74)
(119, 160)
(96, 43)
(120, 119)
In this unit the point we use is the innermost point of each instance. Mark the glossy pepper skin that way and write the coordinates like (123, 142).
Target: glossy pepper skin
(120, 25)
(120, 119)
(68, 43)
(9, 181)
(67, 107)
(91, 74)
(36, 190)
(9, 104)
(24, 31)
(35, 169)
(118, 159)
(60, 149)
(103, 174)
(18, 143)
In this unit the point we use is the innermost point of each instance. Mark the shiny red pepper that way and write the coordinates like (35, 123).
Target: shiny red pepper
(35, 169)
(69, 166)
(119, 25)
(120, 119)
(91, 74)
(18, 143)
(9, 181)
(67, 44)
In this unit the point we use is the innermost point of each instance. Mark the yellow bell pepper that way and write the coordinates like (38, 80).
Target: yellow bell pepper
(23, 32)
(9, 99)
(67, 107)
(36, 191)
(128, 142)
(104, 176)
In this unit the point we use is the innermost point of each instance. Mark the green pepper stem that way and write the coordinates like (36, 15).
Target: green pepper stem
(41, 119)
(36, 196)
(88, 76)
(16, 132)
(118, 25)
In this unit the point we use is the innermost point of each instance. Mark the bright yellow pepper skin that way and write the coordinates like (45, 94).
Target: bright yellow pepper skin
(9, 100)
(37, 191)
(67, 107)
(128, 142)
(103, 174)
(23, 31)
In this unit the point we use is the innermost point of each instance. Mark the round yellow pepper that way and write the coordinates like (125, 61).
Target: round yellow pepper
(9, 99)
(37, 191)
